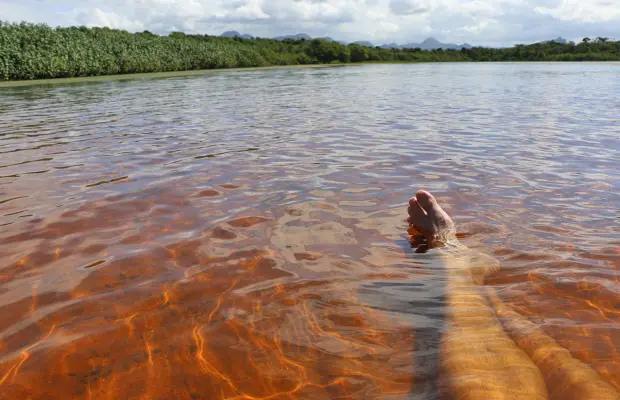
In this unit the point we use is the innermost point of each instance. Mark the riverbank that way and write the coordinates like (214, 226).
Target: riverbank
(152, 75)
(36, 51)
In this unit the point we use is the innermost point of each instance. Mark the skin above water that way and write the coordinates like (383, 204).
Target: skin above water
(242, 235)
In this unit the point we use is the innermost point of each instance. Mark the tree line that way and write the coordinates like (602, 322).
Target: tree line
(37, 51)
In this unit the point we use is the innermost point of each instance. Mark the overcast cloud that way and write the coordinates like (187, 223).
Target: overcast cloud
(479, 22)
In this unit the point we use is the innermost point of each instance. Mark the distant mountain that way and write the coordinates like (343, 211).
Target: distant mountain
(432, 43)
(232, 34)
(390, 46)
(299, 36)
(331, 40)
(364, 43)
(428, 44)
(559, 40)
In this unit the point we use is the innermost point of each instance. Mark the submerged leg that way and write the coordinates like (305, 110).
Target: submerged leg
(478, 359)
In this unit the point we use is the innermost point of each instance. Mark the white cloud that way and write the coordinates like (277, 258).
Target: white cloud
(407, 7)
(484, 22)
(98, 17)
(588, 11)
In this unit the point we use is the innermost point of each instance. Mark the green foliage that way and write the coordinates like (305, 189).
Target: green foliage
(327, 52)
(36, 51)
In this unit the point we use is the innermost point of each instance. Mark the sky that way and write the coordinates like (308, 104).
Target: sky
(478, 22)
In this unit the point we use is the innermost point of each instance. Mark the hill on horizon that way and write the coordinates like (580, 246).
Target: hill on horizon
(298, 36)
(428, 44)
(559, 39)
(364, 43)
(232, 34)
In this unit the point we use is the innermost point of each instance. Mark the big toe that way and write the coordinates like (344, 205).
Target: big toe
(415, 210)
(428, 202)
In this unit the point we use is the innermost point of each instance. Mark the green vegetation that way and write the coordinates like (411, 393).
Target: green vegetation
(36, 51)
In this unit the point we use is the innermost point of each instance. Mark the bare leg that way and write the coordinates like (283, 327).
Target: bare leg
(478, 359)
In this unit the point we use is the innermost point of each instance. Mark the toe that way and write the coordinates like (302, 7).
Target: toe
(427, 201)
(415, 210)
(429, 219)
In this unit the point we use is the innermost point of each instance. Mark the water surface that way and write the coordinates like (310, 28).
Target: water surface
(241, 235)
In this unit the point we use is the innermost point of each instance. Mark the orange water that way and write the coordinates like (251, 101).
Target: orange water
(242, 236)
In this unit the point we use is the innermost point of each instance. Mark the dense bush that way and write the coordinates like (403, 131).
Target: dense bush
(34, 51)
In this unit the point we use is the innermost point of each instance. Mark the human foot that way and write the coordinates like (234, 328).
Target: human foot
(428, 218)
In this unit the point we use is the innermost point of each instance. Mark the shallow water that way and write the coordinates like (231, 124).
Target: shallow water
(242, 235)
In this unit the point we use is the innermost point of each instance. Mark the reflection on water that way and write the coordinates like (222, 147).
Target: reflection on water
(242, 235)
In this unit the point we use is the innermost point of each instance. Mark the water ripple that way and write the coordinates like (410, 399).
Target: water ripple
(242, 233)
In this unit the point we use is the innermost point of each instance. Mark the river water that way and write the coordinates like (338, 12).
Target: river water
(242, 234)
